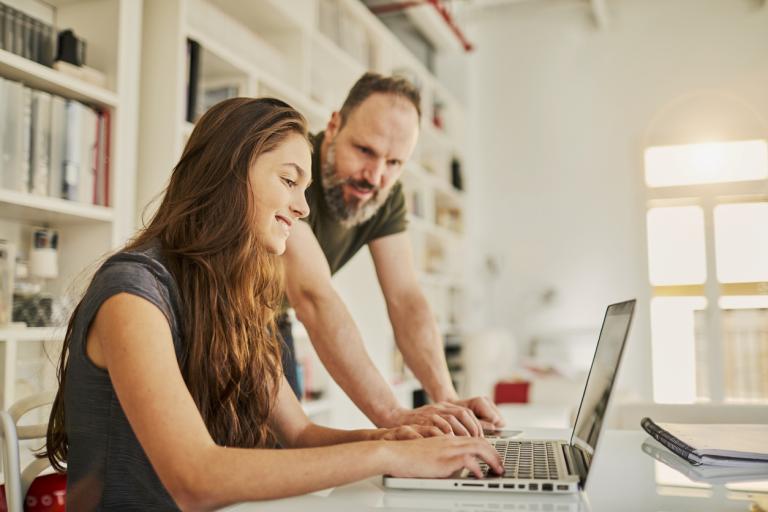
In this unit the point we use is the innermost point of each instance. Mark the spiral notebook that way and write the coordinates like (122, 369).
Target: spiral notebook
(716, 444)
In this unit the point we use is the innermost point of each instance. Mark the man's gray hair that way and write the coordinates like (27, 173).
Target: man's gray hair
(372, 83)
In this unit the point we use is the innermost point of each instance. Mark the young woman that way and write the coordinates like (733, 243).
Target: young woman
(171, 388)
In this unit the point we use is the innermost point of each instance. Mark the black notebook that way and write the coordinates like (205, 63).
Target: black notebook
(717, 444)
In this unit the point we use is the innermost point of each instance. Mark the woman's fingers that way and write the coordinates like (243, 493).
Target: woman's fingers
(470, 462)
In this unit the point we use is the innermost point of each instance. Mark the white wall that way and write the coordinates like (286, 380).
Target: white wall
(560, 112)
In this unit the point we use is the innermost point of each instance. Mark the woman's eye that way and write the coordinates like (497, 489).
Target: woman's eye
(289, 182)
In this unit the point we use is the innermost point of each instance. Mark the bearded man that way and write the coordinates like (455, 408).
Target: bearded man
(356, 199)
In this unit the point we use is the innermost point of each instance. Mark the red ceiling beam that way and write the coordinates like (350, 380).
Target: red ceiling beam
(442, 11)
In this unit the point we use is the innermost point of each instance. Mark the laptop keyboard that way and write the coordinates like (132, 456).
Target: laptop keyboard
(532, 460)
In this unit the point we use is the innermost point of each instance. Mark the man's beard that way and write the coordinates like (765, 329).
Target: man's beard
(355, 212)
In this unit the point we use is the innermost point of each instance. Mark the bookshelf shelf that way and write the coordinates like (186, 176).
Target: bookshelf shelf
(44, 78)
(440, 186)
(28, 207)
(433, 230)
(272, 16)
(330, 54)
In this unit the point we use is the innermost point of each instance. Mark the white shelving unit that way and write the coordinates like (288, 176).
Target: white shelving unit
(111, 29)
(308, 53)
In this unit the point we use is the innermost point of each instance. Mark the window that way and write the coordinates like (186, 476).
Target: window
(707, 231)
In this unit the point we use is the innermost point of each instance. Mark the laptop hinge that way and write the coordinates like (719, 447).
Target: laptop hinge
(577, 465)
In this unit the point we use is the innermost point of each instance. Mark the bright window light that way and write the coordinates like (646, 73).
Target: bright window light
(676, 250)
(673, 348)
(744, 302)
(741, 242)
(713, 162)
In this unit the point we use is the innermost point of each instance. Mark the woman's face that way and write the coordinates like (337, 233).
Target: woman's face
(278, 180)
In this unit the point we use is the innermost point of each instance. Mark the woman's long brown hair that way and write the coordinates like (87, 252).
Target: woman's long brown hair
(230, 286)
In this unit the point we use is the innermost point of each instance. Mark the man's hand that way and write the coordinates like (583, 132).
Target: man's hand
(459, 417)
(485, 410)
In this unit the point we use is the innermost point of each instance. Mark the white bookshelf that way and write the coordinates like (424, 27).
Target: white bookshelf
(25, 207)
(279, 48)
(112, 30)
(42, 77)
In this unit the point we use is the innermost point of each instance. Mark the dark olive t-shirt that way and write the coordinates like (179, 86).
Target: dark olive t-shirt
(339, 243)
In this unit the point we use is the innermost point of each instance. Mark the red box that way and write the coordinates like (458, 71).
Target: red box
(506, 392)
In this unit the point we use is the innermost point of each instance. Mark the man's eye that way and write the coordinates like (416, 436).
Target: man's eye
(364, 150)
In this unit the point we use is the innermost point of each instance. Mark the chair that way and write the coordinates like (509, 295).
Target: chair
(18, 482)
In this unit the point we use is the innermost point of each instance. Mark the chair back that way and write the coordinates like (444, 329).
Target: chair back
(18, 481)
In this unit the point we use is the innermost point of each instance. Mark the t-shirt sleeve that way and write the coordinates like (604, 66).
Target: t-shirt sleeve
(394, 215)
(132, 277)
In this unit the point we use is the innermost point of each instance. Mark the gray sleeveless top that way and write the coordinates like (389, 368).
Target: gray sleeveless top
(107, 468)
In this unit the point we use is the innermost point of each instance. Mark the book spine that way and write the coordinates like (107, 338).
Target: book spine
(107, 124)
(670, 442)
(193, 79)
(58, 137)
(24, 177)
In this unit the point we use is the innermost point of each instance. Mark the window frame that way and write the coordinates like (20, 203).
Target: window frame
(706, 196)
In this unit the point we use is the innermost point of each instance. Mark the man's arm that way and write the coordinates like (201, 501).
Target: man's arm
(332, 329)
(339, 344)
(416, 331)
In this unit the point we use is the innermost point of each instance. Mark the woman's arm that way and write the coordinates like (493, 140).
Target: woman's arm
(135, 340)
(294, 429)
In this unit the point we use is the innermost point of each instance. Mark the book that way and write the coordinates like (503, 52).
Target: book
(58, 136)
(88, 138)
(28, 34)
(24, 174)
(12, 155)
(193, 79)
(72, 150)
(40, 142)
(715, 444)
(102, 160)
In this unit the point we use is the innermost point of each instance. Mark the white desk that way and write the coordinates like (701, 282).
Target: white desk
(622, 479)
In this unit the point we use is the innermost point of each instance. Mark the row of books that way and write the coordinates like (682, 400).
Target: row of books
(53, 146)
(26, 36)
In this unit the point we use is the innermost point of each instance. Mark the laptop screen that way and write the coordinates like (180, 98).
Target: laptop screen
(601, 376)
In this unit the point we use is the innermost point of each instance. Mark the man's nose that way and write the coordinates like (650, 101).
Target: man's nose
(375, 171)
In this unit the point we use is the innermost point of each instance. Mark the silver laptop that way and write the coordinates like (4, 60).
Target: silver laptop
(547, 466)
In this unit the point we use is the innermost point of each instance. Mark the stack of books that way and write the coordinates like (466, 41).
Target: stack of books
(53, 146)
(26, 36)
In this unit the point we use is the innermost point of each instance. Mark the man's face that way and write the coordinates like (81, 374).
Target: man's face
(365, 157)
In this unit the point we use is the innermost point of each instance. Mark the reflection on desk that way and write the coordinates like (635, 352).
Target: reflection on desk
(706, 474)
(622, 479)
(463, 501)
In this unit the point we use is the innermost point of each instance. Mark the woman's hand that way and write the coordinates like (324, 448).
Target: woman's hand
(406, 432)
(440, 457)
